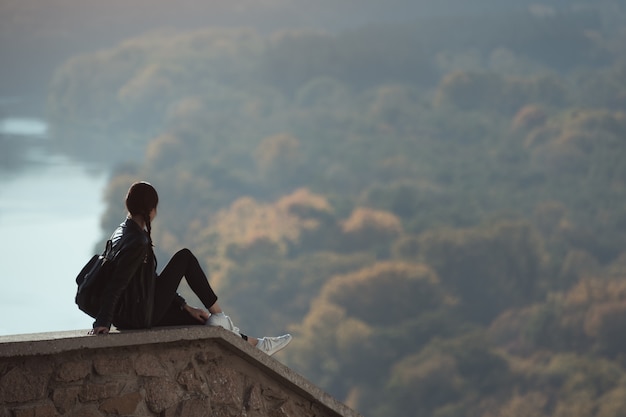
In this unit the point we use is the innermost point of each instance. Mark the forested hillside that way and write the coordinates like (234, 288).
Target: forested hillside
(434, 209)
(38, 35)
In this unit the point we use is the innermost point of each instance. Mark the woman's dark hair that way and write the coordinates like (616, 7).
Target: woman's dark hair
(140, 200)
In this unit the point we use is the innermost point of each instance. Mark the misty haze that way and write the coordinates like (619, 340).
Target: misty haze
(429, 195)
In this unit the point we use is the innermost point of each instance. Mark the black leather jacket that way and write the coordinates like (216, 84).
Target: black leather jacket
(128, 298)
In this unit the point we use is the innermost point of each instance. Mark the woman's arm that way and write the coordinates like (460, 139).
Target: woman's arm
(127, 262)
(201, 315)
(99, 330)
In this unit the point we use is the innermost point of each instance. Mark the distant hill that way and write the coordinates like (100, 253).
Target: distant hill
(36, 36)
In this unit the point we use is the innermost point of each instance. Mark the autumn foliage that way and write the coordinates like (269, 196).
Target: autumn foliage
(437, 217)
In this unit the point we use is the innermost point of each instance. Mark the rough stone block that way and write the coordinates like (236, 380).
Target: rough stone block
(89, 411)
(123, 405)
(274, 395)
(280, 412)
(273, 398)
(94, 392)
(176, 359)
(23, 384)
(39, 410)
(113, 365)
(206, 356)
(305, 408)
(148, 365)
(73, 371)
(162, 393)
(227, 411)
(226, 387)
(193, 381)
(253, 400)
(287, 409)
(192, 407)
(64, 398)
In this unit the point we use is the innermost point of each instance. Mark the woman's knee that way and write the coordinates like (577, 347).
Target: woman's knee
(184, 253)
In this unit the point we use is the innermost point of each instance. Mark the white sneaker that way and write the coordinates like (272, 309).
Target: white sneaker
(222, 320)
(271, 345)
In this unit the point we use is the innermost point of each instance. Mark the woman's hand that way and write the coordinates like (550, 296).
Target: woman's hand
(201, 315)
(99, 330)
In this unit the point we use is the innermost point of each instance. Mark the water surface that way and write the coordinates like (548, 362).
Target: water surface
(50, 211)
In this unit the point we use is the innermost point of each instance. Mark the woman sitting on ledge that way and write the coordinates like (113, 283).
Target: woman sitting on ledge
(137, 297)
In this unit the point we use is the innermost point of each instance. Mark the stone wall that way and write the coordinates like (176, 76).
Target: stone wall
(199, 371)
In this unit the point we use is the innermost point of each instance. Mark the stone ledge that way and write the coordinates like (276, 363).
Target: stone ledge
(37, 344)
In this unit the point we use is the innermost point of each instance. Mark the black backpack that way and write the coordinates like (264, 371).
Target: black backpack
(92, 279)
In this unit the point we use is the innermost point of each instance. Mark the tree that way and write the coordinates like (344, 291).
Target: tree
(488, 269)
(367, 228)
(448, 375)
(405, 290)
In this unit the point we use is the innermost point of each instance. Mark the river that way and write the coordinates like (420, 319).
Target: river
(50, 209)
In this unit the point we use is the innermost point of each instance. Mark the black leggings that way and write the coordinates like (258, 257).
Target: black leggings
(168, 313)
